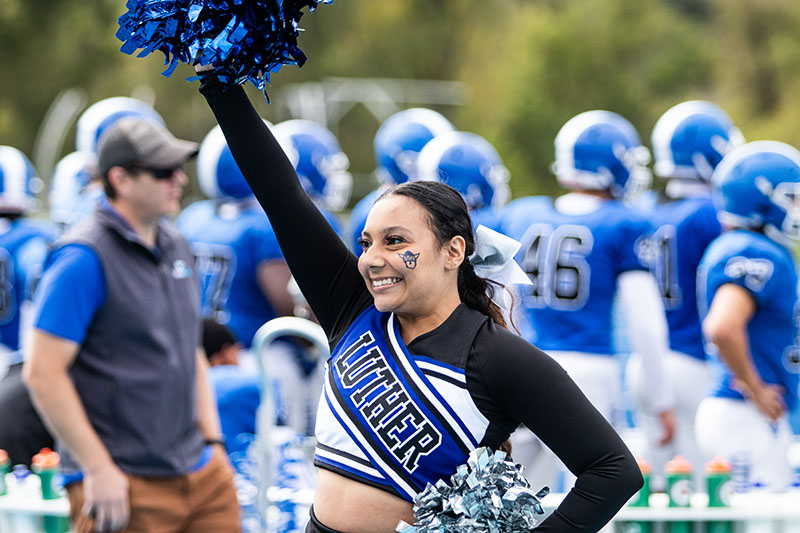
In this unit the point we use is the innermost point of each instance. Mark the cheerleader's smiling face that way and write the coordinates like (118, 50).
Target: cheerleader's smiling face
(405, 268)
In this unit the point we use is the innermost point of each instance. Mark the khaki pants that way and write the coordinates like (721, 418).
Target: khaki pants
(200, 502)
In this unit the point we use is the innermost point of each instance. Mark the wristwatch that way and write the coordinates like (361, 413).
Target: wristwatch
(217, 440)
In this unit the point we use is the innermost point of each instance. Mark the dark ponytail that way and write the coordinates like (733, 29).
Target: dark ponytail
(448, 216)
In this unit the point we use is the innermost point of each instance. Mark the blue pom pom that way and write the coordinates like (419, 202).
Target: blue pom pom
(243, 40)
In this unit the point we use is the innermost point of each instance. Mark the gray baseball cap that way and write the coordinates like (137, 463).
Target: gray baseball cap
(134, 142)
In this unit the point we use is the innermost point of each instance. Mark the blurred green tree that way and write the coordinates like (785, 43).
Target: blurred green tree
(529, 66)
(634, 57)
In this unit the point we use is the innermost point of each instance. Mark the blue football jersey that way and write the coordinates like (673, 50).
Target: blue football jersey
(229, 243)
(23, 247)
(486, 216)
(516, 214)
(573, 262)
(766, 270)
(685, 228)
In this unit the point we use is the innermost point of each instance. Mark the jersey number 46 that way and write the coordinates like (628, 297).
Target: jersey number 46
(555, 261)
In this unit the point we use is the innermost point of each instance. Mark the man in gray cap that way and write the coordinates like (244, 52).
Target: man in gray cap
(114, 363)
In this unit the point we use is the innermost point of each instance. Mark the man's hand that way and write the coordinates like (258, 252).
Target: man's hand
(106, 498)
(768, 398)
(667, 420)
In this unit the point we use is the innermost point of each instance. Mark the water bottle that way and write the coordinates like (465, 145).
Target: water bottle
(5, 466)
(24, 487)
(740, 472)
(678, 474)
(46, 465)
(718, 485)
(640, 499)
(247, 494)
(288, 475)
(245, 479)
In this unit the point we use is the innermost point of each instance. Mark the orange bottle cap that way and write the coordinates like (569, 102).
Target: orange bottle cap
(678, 465)
(718, 465)
(45, 459)
(644, 466)
(3, 456)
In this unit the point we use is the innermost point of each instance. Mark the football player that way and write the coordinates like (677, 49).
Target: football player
(74, 191)
(98, 117)
(469, 164)
(397, 145)
(23, 247)
(320, 164)
(75, 188)
(581, 252)
(243, 277)
(688, 141)
(747, 292)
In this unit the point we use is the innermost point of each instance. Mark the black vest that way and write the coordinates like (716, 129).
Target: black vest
(135, 371)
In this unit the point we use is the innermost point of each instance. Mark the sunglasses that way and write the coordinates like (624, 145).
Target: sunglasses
(157, 173)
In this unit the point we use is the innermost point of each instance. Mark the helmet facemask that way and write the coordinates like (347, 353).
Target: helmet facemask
(338, 181)
(785, 196)
(640, 179)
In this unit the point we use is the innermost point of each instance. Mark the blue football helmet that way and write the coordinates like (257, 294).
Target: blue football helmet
(101, 115)
(70, 196)
(318, 160)
(217, 172)
(690, 140)
(758, 188)
(400, 139)
(469, 164)
(601, 151)
(19, 184)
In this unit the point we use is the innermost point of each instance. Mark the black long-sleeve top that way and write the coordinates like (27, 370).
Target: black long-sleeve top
(509, 380)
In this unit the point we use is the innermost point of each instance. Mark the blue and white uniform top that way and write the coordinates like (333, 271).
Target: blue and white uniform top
(685, 228)
(765, 270)
(391, 418)
(23, 247)
(229, 241)
(573, 252)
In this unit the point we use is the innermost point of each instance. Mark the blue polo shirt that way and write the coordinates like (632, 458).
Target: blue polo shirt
(72, 289)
